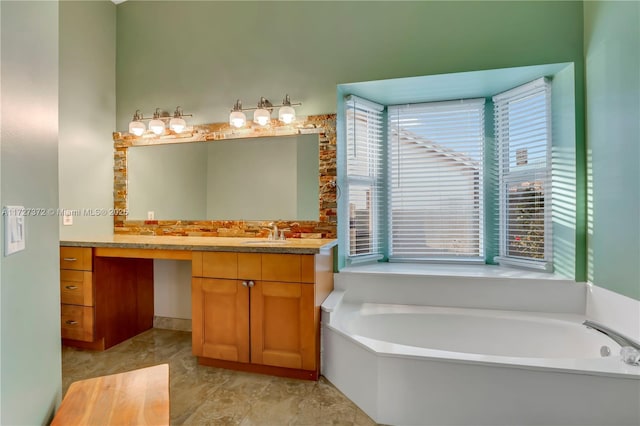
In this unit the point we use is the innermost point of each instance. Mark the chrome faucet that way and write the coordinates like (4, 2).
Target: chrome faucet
(273, 235)
(613, 335)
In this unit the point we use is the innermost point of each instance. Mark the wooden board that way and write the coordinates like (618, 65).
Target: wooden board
(138, 397)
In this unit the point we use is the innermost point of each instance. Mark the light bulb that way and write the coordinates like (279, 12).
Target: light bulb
(237, 119)
(262, 116)
(156, 126)
(177, 124)
(287, 114)
(136, 128)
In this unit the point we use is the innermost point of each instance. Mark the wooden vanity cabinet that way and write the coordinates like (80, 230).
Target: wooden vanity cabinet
(104, 300)
(260, 311)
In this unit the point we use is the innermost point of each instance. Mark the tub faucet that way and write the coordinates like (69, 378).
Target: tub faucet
(613, 335)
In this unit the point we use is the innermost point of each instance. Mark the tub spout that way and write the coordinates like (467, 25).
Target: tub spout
(613, 335)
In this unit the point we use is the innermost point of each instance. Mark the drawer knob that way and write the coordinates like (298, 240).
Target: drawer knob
(71, 287)
(251, 283)
(71, 322)
(69, 259)
(244, 283)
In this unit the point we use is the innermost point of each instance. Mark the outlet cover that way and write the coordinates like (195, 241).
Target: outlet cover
(67, 218)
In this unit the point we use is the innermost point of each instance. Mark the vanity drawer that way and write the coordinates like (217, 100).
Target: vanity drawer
(288, 268)
(77, 258)
(215, 265)
(77, 322)
(76, 287)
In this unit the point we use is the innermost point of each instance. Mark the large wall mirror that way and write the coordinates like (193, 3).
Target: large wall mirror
(219, 181)
(243, 179)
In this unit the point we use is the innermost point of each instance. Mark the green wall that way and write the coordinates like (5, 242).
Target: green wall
(205, 55)
(612, 61)
(87, 113)
(567, 202)
(29, 280)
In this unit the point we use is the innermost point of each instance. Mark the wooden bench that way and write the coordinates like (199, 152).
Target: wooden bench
(138, 397)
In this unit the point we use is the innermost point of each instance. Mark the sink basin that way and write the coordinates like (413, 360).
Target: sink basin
(265, 242)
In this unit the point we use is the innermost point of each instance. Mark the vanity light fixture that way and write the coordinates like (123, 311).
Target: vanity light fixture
(157, 124)
(177, 123)
(286, 114)
(237, 118)
(262, 113)
(136, 126)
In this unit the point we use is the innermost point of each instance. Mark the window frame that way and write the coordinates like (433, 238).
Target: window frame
(374, 180)
(479, 181)
(505, 179)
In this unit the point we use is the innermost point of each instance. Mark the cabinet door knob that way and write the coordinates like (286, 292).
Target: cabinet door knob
(244, 283)
(69, 259)
(71, 287)
(251, 283)
(71, 322)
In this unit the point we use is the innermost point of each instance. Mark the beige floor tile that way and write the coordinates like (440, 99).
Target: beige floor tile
(212, 396)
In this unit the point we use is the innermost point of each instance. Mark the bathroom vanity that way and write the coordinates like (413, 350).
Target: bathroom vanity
(255, 302)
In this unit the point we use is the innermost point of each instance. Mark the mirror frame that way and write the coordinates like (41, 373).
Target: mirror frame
(325, 227)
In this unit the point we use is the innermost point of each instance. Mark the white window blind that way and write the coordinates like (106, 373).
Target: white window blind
(436, 180)
(522, 118)
(364, 128)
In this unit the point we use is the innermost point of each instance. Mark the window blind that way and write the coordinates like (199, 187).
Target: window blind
(522, 118)
(364, 137)
(436, 180)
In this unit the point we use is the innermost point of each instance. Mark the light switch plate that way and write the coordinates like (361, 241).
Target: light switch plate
(151, 215)
(14, 229)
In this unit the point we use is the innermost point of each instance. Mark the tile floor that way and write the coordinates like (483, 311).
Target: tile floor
(212, 396)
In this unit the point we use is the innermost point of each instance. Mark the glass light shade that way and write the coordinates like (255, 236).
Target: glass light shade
(137, 128)
(156, 126)
(237, 119)
(177, 124)
(287, 114)
(262, 116)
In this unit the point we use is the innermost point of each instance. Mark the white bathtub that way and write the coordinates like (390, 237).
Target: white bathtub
(437, 365)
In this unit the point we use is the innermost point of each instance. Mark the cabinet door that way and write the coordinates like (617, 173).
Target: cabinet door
(220, 319)
(282, 325)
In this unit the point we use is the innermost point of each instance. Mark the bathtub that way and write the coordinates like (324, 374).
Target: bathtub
(420, 364)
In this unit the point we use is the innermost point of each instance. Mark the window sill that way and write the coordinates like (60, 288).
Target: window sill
(452, 270)
(545, 267)
(363, 259)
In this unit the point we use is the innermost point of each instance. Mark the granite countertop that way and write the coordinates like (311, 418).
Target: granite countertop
(233, 244)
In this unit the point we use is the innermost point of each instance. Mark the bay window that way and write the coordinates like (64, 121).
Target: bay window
(416, 191)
